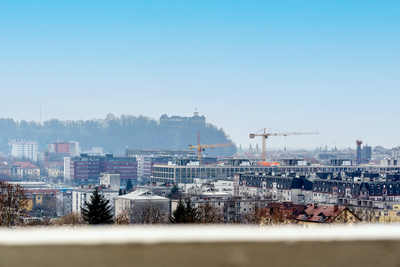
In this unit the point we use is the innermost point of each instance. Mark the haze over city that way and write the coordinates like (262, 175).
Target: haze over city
(330, 67)
(199, 133)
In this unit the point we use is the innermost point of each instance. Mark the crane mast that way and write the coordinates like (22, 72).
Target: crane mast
(264, 135)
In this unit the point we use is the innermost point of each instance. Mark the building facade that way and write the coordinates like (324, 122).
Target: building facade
(82, 194)
(86, 169)
(24, 150)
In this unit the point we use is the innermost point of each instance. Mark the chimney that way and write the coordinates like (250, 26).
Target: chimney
(335, 208)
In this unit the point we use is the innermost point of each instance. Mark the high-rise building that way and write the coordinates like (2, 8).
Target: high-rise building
(59, 147)
(74, 148)
(24, 150)
(86, 169)
(366, 153)
(70, 147)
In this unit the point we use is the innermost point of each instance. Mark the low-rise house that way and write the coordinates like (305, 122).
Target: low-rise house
(42, 200)
(82, 194)
(326, 214)
(26, 170)
(5, 171)
(232, 208)
(141, 200)
(162, 190)
(56, 171)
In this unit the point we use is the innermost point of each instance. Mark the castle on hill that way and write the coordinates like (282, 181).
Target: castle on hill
(181, 121)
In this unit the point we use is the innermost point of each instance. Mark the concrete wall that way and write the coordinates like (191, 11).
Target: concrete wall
(376, 245)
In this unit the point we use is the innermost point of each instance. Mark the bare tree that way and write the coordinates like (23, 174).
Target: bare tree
(123, 218)
(275, 216)
(147, 213)
(232, 211)
(49, 205)
(194, 191)
(72, 218)
(256, 216)
(208, 213)
(13, 203)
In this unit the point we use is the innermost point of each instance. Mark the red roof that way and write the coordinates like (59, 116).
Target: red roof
(321, 213)
(294, 209)
(25, 165)
(3, 165)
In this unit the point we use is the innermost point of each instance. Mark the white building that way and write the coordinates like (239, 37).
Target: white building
(74, 149)
(82, 194)
(140, 197)
(23, 149)
(64, 203)
(67, 170)
(110, 179)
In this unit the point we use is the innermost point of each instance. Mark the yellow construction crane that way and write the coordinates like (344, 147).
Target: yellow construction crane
(265, 135)
(200, 148)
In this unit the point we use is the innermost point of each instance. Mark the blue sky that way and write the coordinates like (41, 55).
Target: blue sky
(326, 66)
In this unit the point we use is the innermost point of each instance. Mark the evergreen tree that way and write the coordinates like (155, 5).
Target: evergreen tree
(174, 190)
(129, 185)
(98, 210)
(192, 215)
(179, 214)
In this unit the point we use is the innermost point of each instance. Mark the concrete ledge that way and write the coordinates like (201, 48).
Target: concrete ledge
(367, 245)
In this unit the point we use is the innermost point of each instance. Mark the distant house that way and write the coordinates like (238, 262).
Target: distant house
(5, 171)
(140, 198)
(26, 170)
(82, 194)
(326, 214)
(56, 170)
(41, 199)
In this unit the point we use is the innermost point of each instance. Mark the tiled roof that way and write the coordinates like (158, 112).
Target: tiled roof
(294, 209)
(3, 165)
(314, 213)
(26, 165)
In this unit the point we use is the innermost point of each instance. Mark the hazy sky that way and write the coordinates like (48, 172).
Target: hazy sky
(326, 66)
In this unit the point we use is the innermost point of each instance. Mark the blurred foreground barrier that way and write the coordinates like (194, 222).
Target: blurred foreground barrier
(366, 245)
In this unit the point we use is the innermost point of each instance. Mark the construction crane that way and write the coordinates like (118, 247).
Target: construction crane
(201, 148)
(265, 135)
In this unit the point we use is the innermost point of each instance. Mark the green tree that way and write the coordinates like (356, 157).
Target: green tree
(98, 209)
(192, 215)
(129, 185)
(184, 213)
(179, 214)
(174, 191)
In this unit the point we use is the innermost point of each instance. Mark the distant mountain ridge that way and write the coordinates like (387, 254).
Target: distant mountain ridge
(115, 134)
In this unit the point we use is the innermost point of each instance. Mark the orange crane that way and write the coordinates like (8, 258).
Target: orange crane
(265, 135)
(200, 148)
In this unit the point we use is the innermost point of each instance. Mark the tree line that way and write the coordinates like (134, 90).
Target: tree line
(114, 134)
(14, 205)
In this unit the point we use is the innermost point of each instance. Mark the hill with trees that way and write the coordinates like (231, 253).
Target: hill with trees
(115, 134)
